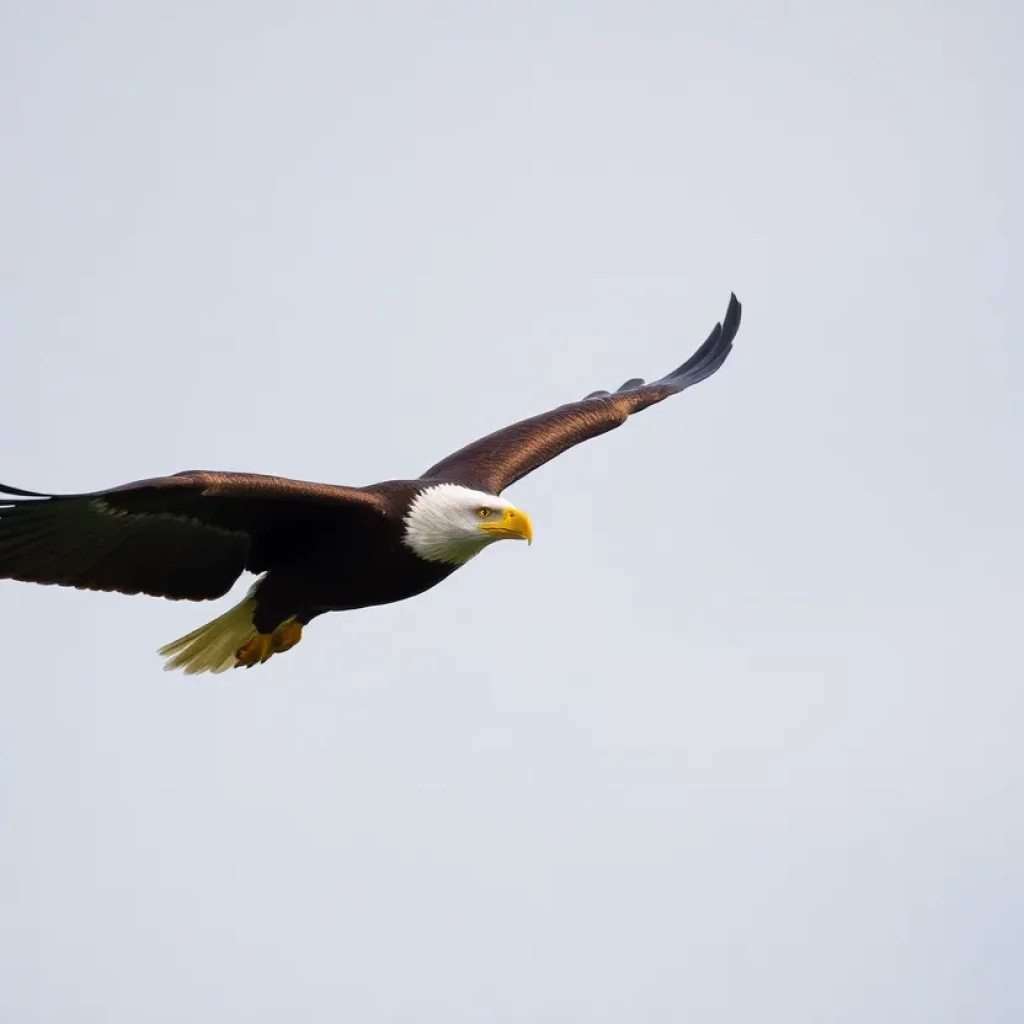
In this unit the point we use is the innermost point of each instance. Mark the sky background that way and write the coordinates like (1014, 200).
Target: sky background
(739, 738)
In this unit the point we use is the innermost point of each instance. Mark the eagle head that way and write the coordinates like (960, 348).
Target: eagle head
(451, 523)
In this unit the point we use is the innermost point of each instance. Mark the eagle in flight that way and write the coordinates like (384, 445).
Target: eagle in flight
(319, 547)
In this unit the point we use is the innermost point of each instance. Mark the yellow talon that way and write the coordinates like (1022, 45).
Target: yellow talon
(255, 651)
(287, 635)
(264, 646)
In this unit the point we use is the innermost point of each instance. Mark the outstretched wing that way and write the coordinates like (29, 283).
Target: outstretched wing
(499, 459)
(190, 535)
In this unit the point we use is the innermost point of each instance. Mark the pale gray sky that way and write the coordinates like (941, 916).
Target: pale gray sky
(738, 738)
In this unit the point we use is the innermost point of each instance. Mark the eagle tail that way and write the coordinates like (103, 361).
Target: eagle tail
(212, 648)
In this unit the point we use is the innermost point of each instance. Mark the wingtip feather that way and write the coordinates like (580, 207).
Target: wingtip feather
(713, 353)
(19, 492)
(733, 315)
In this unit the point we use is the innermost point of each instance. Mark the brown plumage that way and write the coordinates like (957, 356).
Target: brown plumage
(321, 547)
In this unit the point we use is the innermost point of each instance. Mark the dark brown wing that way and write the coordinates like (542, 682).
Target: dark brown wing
(498, 460)
(185, 536)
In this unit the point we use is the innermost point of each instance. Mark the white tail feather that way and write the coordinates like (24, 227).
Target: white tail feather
(211, 648)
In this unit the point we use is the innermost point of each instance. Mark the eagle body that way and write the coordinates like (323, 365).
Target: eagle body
(339, 567)
(316, 547)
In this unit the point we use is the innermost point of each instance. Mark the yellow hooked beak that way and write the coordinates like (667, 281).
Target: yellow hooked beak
(513, 524)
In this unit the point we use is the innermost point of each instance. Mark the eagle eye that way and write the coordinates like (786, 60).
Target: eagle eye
(483, 513)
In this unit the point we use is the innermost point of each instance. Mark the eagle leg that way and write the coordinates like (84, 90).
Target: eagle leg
(287, 635)
(263, 646)
(254, 651)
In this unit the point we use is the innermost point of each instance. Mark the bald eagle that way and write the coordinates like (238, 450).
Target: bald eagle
(319, 547)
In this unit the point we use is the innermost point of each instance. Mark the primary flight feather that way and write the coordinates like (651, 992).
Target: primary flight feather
(319, 547)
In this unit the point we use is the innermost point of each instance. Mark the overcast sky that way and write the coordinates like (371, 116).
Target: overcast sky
(739, 738)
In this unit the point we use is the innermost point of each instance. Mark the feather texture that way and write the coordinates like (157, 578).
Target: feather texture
(498, 460)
